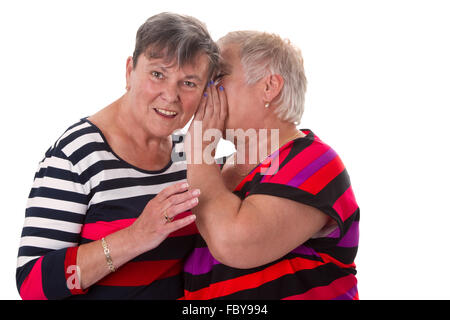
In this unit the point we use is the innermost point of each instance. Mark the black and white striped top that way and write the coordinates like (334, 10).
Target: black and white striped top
(83, 191)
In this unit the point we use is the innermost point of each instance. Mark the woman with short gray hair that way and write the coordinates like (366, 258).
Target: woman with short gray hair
(108, 216)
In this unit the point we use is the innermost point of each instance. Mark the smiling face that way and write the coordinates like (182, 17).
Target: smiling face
(163, 96)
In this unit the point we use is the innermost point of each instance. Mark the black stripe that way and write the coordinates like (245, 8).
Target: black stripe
(86, 150)
(54, 214)
(291, 284)
(164, 289)
(50, 234)
(57, 173)
(141, 181)
(57, 194)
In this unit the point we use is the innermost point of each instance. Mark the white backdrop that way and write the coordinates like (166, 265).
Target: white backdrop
(378, 93)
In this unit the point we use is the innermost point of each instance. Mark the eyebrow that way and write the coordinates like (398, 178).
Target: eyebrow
(164, 69)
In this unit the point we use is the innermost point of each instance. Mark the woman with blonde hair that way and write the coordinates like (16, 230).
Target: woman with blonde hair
(286, 225)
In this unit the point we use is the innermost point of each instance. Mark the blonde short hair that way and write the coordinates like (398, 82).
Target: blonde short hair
(263, 54)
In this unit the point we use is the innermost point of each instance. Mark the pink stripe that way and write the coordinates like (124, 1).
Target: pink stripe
(100, 229)
(31, 288)
(346, 205)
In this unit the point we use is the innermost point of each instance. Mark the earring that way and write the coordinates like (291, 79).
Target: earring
(267, 104)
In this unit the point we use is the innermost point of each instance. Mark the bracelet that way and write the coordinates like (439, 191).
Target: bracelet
(107, 252)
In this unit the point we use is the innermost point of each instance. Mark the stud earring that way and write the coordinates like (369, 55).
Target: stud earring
(267, 104)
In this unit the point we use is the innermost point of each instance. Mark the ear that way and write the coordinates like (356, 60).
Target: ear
(272, 86)
(129, 69)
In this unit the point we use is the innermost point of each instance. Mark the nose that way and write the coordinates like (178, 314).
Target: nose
(170, 93)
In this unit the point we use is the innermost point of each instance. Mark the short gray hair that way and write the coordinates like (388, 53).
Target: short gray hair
(175, 37)
(263, 54)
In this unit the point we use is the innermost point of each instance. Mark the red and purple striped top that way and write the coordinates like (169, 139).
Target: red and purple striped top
(310, 172)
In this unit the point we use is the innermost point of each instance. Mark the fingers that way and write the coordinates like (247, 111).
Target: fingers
(175, 210)
(180, 223)
(179, 203)
(200, 113)
(215, 99)
(223, 103)
(171, 190)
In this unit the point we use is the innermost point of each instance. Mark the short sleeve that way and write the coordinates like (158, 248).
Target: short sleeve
(313, 175)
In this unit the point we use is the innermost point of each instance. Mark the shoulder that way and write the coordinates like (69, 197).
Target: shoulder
(307, 163)
(80, 135)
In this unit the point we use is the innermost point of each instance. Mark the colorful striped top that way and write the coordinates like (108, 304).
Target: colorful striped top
(308, 171)
(83, 191)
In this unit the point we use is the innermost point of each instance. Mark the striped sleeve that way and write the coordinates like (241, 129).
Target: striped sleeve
(54, 217)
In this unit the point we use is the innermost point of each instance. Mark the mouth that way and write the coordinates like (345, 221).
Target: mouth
(166, 113)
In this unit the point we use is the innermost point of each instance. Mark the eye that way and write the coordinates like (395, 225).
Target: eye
(190, 84)
(157, 75)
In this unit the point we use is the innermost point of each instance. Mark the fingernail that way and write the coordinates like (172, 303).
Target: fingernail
(196, 192)
(194, 201)
(211, 82)
(221, 88)
(205, 94)
(185, 185)
(192, 216)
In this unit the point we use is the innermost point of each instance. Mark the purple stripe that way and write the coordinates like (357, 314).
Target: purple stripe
(312, 168)
(200, 261)
(269, 172)
(348, 295)
(351, 238)
(305, 250)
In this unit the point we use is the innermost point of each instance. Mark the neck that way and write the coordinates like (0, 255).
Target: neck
(254, 148)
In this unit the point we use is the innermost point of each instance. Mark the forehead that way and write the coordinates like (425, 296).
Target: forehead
(199, 65)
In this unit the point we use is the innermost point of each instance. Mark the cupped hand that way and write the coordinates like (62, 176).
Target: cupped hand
(210, 117)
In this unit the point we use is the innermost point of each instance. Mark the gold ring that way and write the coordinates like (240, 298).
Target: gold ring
(168, 219)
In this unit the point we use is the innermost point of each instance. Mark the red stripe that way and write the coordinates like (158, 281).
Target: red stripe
(329, 259)
(298, 163)
(334, 289)
(253, 280)
(346, 205)
(70, 269)
(323, 176)
(31, 288)
(100, 229)
(142, 273)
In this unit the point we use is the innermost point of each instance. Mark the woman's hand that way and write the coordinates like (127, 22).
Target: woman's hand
(157, 220)
(210, 118)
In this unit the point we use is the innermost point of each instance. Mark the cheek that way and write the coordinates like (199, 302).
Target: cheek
(190, 104)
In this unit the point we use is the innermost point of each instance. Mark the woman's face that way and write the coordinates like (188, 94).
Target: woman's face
(164, 96)
(243, 99)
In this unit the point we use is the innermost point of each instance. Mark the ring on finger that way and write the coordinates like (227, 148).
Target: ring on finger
(168, 219)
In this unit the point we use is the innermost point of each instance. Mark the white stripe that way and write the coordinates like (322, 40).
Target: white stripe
(76, 128)
(119, 173)
(45, 243)
(93, 158)
(56, 204)
(81, 141)
(52, 224)
(58, 184)
(129, 192)
(23, 260)
(55, 162)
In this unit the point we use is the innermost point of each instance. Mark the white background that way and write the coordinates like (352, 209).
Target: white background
(378, 93)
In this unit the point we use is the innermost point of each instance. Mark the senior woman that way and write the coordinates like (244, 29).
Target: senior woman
(284, 226)
(98, 222)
